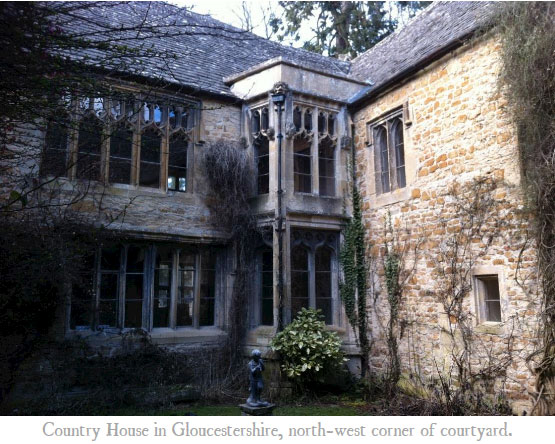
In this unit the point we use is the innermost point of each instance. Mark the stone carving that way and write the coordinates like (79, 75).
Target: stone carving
(256, 367)
(346, 142)
(270, 133)
(290, 130)
(280, 88)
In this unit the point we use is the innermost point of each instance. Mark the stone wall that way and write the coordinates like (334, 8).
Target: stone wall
(457, 130)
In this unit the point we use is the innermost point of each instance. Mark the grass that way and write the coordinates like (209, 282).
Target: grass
(233, 410)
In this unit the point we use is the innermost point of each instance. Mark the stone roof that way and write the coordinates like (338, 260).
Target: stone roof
(206, 50)
(439, 28)
(208, 53)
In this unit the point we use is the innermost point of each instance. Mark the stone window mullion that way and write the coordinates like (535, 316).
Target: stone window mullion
(311, 279)
(164, 156)
(136, 156)
(196, 303)
(121, 288)
(314, 153)
(391, 156)
(173, 289)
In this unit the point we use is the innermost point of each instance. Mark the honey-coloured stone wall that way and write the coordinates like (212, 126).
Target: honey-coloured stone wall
(457, 129)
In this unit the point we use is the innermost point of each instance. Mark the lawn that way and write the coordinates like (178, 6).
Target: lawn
(233, 410)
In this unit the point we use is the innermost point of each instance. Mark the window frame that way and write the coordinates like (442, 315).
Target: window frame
(481, 297)
(125, 108)
(312, 241)
(314, 124)
(388, 180)
(149, 286)
(259, 122)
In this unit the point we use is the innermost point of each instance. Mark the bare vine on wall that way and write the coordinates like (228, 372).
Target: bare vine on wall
(399, 257)
(229, 172)
(471, 220)
(527, 78)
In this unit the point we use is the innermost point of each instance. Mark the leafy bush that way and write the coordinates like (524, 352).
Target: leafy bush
(307, 349)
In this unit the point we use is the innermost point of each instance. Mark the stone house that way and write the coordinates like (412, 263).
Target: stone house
(419, 111)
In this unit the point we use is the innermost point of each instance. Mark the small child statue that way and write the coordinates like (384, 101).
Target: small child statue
(256, 366)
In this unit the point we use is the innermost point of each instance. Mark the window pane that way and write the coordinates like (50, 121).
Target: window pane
(161, 310)
(325, 306)
(177, 164)
(83, 297)
(149, 174)
(121, 151)
(55, 149)
(381, 160)
(299, 280)
(267, 288)
(185, 289)
(397, 129)
(493, 311)
(89, 146)
(491, 298)
(107, 310)
(302, 166)
(162, 287)
(263, 166)
(299, 259)
(323, 258)
(185, 309)
(110, 258)
(207, 287)
(326, 167)
(135, 259)
(133, 301)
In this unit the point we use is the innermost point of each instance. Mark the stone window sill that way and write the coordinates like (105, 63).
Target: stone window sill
(391, 198)
(492, 328)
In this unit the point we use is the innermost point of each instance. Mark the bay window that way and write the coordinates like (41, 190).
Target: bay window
(148, 286)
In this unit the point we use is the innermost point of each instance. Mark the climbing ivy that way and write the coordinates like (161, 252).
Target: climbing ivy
(352, 288)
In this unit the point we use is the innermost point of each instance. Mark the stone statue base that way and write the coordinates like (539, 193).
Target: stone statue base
(247, 410)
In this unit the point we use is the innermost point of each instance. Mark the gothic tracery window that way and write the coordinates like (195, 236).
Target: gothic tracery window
(303, 145)
(389, 154)
(313, 275)
(259, 126)
(127, 136)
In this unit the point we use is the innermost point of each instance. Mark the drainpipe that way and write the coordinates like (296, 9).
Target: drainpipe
(278, 98)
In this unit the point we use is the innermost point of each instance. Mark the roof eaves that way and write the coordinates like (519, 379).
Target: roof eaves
(285, 61)
(362, 97)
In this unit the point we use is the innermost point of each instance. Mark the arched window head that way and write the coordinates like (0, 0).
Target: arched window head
(331, 125)
(308, 120)
(297, 119)
(321, 123)
(399, 150)
(265, 119)
(255, 122)
(389, 154)
(381, 159)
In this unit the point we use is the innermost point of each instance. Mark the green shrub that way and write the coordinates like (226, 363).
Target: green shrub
(307, 349)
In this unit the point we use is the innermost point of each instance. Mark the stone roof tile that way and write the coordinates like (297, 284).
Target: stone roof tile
(437, 27)
(206, 50)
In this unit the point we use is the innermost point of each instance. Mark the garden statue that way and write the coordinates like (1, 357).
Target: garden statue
(256, 366)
